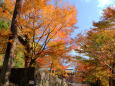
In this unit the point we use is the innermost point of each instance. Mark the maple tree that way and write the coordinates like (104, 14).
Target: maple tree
(42, 27)
(43, 24)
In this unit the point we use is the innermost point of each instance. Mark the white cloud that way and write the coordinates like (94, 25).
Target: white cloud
(101, 3)
(104, 3)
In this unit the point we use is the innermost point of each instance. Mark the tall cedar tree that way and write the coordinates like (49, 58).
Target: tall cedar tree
(9, 55)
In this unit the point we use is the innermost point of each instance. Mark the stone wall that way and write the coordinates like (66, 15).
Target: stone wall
(32, 77)
(46, 79)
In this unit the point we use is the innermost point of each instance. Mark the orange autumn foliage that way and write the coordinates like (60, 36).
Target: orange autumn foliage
(47, 28)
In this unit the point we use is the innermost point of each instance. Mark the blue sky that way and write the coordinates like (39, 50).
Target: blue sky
(89, 11)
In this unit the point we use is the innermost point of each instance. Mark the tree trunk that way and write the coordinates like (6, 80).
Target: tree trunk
(27, 53)
(9, 55)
